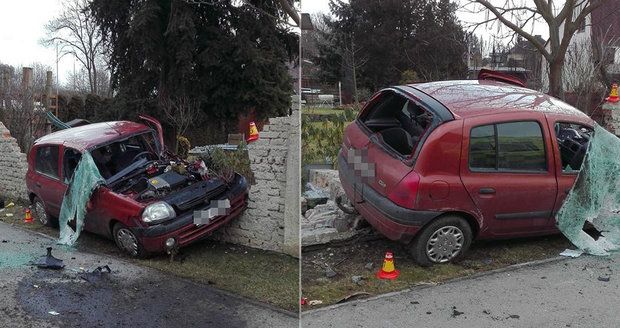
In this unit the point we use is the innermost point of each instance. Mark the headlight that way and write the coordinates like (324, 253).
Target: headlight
(158, 212)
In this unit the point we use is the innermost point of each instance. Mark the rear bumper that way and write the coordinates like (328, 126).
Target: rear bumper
(184, 230)
(393, 221)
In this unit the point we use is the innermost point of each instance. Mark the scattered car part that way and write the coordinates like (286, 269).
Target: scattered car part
(95, 275)
(49, 261)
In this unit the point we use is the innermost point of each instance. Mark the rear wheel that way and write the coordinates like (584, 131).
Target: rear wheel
(40, 214)
(444, 240)
(127, 241)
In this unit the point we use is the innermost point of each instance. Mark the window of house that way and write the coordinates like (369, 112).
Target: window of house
(46, 161)
(508, 147)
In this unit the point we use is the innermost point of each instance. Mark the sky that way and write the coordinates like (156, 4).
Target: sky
(22, 25)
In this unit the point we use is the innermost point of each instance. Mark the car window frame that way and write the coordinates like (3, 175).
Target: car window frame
(58, 164)
(62, 163)
(556, 145)
(509, 171)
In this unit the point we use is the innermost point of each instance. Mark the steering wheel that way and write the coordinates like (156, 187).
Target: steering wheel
(144, 153)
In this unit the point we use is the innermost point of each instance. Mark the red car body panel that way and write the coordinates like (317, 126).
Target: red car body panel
(107, 207)
(522, 204)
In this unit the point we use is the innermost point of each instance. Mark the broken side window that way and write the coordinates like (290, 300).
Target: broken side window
(573, 140)
(70, 160)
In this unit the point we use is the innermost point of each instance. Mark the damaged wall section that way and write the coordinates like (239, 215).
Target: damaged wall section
(271, 221)
(13, 166)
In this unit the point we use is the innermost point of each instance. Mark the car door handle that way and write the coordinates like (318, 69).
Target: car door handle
(486, 191)
(38, 185)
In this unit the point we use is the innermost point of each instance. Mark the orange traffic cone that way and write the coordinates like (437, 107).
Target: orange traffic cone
(388, 271)
(253, 133)
(28, 218)
(613, 95)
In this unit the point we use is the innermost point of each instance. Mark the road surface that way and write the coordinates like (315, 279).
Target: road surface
(564, 293)
(131, 296)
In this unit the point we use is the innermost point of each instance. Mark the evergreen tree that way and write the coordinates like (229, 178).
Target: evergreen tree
(228, 59)
(421, 38)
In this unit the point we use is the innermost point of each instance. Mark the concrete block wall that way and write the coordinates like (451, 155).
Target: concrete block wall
(610, 116)
(13, 167)
(271, 221)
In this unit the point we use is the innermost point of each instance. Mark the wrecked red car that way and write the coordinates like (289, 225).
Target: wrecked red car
(436, 165)
(148, 201)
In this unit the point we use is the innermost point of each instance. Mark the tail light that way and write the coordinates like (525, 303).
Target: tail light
(406, 191)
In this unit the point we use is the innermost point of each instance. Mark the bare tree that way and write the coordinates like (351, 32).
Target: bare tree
(76, 32)
(562, 21)
(181, 112)
(20, 110)
(352, 60)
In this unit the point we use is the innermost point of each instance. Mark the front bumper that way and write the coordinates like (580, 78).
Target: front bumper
(183, 228)
(393, 221)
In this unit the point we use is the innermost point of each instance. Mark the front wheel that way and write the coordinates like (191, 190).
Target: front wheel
(127, 241)
(444, 240)
(40, 214)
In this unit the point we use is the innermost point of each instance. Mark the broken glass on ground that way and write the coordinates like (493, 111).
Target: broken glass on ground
(86, 179)
(595, 198)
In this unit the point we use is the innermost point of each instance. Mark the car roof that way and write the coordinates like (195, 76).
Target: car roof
(87, 136)
(468, 98)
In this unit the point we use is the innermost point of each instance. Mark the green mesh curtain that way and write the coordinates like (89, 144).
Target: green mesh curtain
(86, 179)
(595, 197)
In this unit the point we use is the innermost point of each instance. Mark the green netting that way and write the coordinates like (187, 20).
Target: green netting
(86, 179)
(595, 197)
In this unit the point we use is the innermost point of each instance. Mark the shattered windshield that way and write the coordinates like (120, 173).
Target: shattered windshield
(112, 159)
(590, 215)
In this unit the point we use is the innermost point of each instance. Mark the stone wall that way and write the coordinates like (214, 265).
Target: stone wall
(13, 167)
(610, 117)
(326, 222)
(271, 220)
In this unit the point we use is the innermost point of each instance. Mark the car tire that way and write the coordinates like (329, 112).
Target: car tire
(443, 240)
(127, 241)
(40, 214)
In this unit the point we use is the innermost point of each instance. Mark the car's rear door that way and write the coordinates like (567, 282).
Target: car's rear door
(374, 164)
(47, 184)
(508, 169)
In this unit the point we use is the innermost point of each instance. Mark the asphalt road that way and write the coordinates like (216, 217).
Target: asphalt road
(131, 296)
(565, 293)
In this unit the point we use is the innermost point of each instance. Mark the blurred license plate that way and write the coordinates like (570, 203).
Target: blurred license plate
(216, 208)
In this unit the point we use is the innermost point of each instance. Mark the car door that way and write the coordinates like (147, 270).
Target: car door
(47, 184)
(568, 155)
(508, 170)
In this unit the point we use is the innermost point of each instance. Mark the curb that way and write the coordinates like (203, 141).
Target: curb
(509, 268)
(216, 290)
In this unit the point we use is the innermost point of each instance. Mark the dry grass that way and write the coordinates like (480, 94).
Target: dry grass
(349, 261)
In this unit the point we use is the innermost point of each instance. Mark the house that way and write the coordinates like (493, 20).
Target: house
(595, 45)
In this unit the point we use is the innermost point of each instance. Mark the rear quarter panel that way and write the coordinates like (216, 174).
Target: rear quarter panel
(438, 165)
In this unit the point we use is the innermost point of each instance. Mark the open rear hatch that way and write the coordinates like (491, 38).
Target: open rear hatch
(380, 147)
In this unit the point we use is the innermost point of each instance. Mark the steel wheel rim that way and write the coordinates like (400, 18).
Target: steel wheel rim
(39, 212)
(444, 244)
(127, 241)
